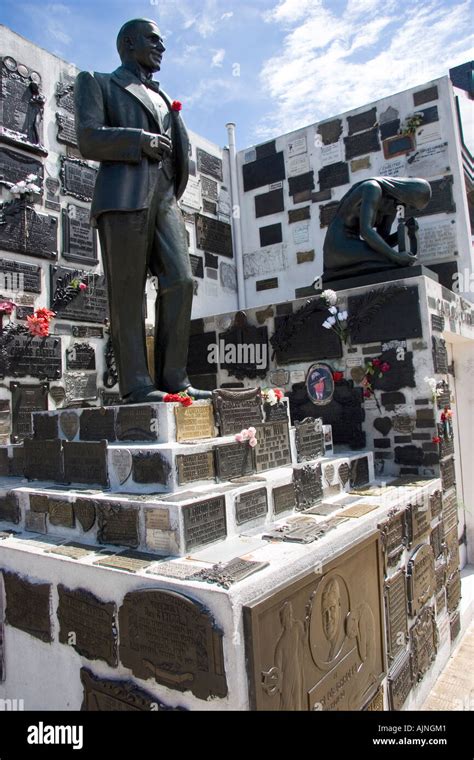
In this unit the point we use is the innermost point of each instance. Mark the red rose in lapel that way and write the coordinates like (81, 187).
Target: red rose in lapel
(176, 105)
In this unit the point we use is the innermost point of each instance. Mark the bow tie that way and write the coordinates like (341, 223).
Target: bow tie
(151, 84)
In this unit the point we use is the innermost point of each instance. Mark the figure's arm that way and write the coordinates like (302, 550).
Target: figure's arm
(384, 230)
(371, 197)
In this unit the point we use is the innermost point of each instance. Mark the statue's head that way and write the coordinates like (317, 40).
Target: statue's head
(408, 191)
(140, 40)
(331, 610)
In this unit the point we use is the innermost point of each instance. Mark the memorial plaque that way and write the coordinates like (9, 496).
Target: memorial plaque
(344, 473)
(271, 234)
(400, 682)
(269, 284)
(118, 524)
(27, 231)
(251, 506)
(61, 512)
(24, 355)
(194, 423)
(150, 467)
(192, 467)
(446, 446)
(80, 356)
(269, 203)
(233, 460)
(209, 189)
(307, 532)
(69, 424)
(273, 445)
(73, 550)
(17, 276)
(25, 400)
(136, 423)
(35, 522)
(104, 695)
(299, 214)
(213, 235)
(204, 522)
(436, 503)
(420, 578)
(397, 619)
(209, 164)
(362, 121)
(9, 508)
(121, 461)
(308, 486)
(327, 212)
(393, 536)
(17, 462)
(437, 540)
(448, 473)
(97, 425)
(437, 322)
(453, 591)
(28, 606)
(309, 439)
(236, 410)
(442, 200)
(86, 331)
(455, 626)
(43, 460)
(301, 182)
(418, 522)
(266, 149)
(85, 513)
(93, 622)
(359, 472)
(299, 339)
(129, 561)
(263, 171)
(362, 143)
(450, 510)
(330, 131)
(173, 639)
(89, 305)
(440, 355)
(424, 642)
(425, 96)
(21, 105)
(66, 129)
(65, 93)
(80, 386)
(360, 509)
(197, 265)
(383, 315)
(4, 459)
(334, 175)
(52, 186)
(45, 427)
(86, 462)
(79, 238)
(77, 178)
(14, 167)
(225, 574)
(284, 498)
(181, 570)
(39, 502)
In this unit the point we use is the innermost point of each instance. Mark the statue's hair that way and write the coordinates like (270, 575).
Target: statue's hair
(332, 589)
(129, 28)
(409, 191)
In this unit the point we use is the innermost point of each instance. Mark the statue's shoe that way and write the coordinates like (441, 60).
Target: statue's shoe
(197, 394)
(149, 394)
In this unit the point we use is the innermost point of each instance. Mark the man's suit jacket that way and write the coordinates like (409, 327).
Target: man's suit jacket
(112, 111)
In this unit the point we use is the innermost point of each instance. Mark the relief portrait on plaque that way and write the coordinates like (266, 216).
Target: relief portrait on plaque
(330, 610)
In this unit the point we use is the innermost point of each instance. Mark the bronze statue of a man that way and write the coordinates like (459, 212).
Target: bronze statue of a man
(126, 121)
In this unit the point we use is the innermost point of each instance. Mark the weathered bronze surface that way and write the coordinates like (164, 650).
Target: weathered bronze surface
(424, 642)
(150, 467)
(233, 460)
(28, 606)
(73, 550)
(360, 509)
(61, 513)
(396, 614)
(204, 522)
(436, 503)
(136, 423)
(452, 551)
(437, 540)
(35, 522)
(455, 626)
(376, 703)
(400, 682)
(43, 459)
(97, 425)
(453, 591)
(9, 508)
(450, 510)
(25, 400)
(309, 439)
(418, 522)
(86, 462)
(273, 446)
(193, 423)
(192, 467)
(104, 695)
(118, 524)
(236, 410)
(448, 473)
(421, 578)
(225, 574)
(308, 485)
(168, 637)
(307, 532)
(284, 498)
(85, 513)
(251, 506)
(129, 561)
(88, 624)
(318, 643)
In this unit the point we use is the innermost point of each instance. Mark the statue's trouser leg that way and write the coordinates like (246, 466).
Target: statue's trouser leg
(169, 261)
(124, 239)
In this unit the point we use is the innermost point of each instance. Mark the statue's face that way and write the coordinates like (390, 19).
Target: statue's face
(331, 614)
(146, 46)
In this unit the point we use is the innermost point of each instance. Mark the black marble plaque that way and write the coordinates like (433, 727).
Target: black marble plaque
(441, 199)
(301, 182)
(21, 105)
(362, 121)
(80, 356)
(97, 425)
(308, 485)
(233, 460)
(269, 203)
(437, 322)
(359, 472)
(418, 522)
(213, 235)
(389, 128)
(173, 639)
(273, 445)
(28, 231)
(330, 131)
(448, 473)
(92, 621)
(251, 506)
(85, 462)
(345, 413)
(66, 129)
(396, 611)
(198, 353)
(192, 467)
(425, 96)
(400, 375)
(307, 339)
(424, 642)
(264, 171)
(266, 149)
(118, 524)
(209, 164)
(88, 305)
(26, 356)
(43, 459)
(384, 315)
(362, 143)
(9, 508)
(25, 400)
(400, 682)
(204, 522)
(136, 423)
(28, 606)
(77, 178)
(334, 175)
(309, 439)
(15, 275)
(327, 212)
(236, 410)
(15, 167)
(197, 265)
(429, 115)
(440, 355)
(271, 234)
(284, 498)
(79, 238)
(150, 467)
(209, 189)
(269, 284)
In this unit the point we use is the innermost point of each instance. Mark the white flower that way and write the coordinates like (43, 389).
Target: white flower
(333, 309)
(21, 184)
(330, 296)
(271, 398)
(327, 325)
(343, 315)
(34, 189)
(332, 321)
(32, 178)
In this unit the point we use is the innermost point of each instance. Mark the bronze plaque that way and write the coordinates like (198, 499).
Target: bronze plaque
(118, 524)
(424, 642)
(61, 513)
(396, 614)
(150, 467)
(39, 502)
(251, 505)
(97, 425)
(237, 410)
(421, 578)
(192, 467)
(84, 511)
(137, 423)
(273, 446)
(437, 540)
(69, 424)
(35, 522)
(88, 624)
(440, 575)
(318, 643)
(452, 551)
(450, 510)
(233, 460)
(308, 485)
(193, 423)
(436, 503)
(284, 498)
(376, 703)
(453, 591)
(400, 682)
(86, 463)
(224, 574)
(418, 522)
(9, 508)
(73, 550)
(168, 637)
(28, 606)
(204, 522)
(43, 459)
(455, 626)
(130, 561)
(309, 439)
(105, 695)
(360, 509)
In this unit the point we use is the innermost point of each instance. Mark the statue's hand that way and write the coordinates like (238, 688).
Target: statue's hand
(156, 146)
(403, 257)
(412, 225)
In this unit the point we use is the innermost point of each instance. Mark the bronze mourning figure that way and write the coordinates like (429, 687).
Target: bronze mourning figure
(127, 123)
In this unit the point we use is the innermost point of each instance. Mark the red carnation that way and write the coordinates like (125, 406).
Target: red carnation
(338, 376)
(278, 393)
(436, 439)
(176, 105)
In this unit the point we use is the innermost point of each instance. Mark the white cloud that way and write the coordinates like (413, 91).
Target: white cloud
(218, 58)
(205, 22)
(226, 15)
(331, 63)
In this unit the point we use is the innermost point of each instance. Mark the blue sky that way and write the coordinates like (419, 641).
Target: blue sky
(269, 65)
